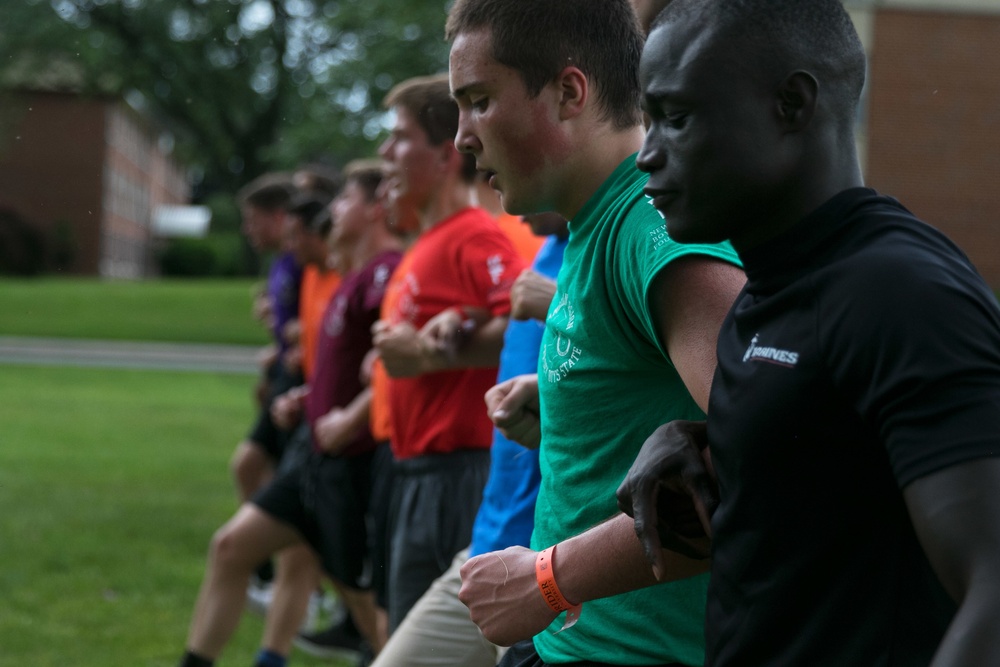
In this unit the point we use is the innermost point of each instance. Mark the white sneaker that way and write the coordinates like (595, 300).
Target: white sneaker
(319, 613)
(259, 596)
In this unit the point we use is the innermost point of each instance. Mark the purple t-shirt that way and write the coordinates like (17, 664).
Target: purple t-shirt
(283, 282)
(344, 340)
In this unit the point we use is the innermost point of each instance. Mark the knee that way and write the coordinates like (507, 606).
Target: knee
(225, 550)
(299, 564)
(248, 465)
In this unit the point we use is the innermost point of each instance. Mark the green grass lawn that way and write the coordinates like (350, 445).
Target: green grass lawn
(203, 311)
(111, 485)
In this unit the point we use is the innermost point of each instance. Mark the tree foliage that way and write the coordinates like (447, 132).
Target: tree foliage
(244, 85)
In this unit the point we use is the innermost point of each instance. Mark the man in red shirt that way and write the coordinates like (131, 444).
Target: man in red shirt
(441, 342)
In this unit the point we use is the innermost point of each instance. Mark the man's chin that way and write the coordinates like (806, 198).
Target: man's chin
(688, 233)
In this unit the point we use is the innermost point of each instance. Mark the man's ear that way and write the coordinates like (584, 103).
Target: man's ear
(796, 100)
(376, 210)
(451, 158)
(574, 91)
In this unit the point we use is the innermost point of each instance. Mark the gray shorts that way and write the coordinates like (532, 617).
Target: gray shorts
(435, 501)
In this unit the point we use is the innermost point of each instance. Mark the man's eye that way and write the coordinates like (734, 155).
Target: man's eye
(677, 120)
(479, 103)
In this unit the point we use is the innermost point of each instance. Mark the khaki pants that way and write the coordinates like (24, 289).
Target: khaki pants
(438, 631)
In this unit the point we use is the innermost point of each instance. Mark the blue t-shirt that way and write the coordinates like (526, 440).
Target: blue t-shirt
(507, 513)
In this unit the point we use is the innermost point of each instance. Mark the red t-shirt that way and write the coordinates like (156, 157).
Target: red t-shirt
(464, 260)
(344, 339)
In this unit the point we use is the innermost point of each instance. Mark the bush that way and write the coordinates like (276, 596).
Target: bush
(215, 255)
(22, 246)
(189, 258)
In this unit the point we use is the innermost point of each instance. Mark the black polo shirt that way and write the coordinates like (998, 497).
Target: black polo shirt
(863, 353)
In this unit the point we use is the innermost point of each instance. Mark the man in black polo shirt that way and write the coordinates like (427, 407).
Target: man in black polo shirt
(854, 418)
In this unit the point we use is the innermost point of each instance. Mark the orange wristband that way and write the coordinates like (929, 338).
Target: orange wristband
(545, 574)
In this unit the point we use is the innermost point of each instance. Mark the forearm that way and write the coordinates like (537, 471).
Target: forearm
(359, 409)
(481, 350)
(956, 515)
(502, 591)
(609, 560)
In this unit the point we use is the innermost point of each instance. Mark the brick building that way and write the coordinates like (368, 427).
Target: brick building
(91, 167)
(930, 132)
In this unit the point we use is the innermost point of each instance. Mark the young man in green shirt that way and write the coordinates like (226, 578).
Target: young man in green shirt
(549, 105)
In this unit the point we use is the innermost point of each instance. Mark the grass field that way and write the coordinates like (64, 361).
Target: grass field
(157, 310)
(111, 484)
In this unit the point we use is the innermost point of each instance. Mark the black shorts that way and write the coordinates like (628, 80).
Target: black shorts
(264, 433)
(523, 654)
(326, 500)
(434, 505)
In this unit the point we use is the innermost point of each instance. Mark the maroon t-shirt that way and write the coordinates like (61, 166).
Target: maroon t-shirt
(344, 340)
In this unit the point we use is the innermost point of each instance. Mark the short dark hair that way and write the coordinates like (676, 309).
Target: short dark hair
(313, 209)
(367, 174)
(428, 99)
(269, 192)
(318, 177)
(538, 38)
(814, 35)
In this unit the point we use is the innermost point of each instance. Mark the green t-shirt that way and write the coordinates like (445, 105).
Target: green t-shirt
(605, 384)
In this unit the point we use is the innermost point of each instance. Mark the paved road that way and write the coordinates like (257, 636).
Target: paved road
(121, 354)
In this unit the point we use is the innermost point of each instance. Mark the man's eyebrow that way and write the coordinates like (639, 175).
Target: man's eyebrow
(464, 90)
(660, 95)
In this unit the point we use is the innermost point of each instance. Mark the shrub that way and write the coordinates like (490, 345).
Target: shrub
(22, 246)
(215, 255)
(189, 258)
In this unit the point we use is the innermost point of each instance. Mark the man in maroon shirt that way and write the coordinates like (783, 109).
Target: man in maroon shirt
(323, 501)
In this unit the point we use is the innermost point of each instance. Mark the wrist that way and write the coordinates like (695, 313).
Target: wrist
(549, 589)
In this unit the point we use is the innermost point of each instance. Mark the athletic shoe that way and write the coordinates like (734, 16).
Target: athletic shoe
(339, 641)
(320, 614)
(259, 595)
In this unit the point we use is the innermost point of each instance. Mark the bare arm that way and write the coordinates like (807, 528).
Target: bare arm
(513, 407)
(502, 592)
(672, 475)
(286, 410)
(690, 298)
(339, 426)
(400, 348)
(531, 296)
(956, 514)
(467, 338)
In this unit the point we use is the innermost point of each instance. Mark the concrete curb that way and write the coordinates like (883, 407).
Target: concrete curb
(129, 354)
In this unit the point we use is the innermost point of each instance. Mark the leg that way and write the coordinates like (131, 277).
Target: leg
(252, 468)
(438, 631)
(432, 521)
(361, 605)
(298, 575)
(246, 540)
(412, 562)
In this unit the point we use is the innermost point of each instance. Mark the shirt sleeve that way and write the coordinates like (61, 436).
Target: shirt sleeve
(914, 344)
(644, 249)
(490, 267)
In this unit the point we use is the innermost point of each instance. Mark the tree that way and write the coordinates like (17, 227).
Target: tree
(245, 85)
